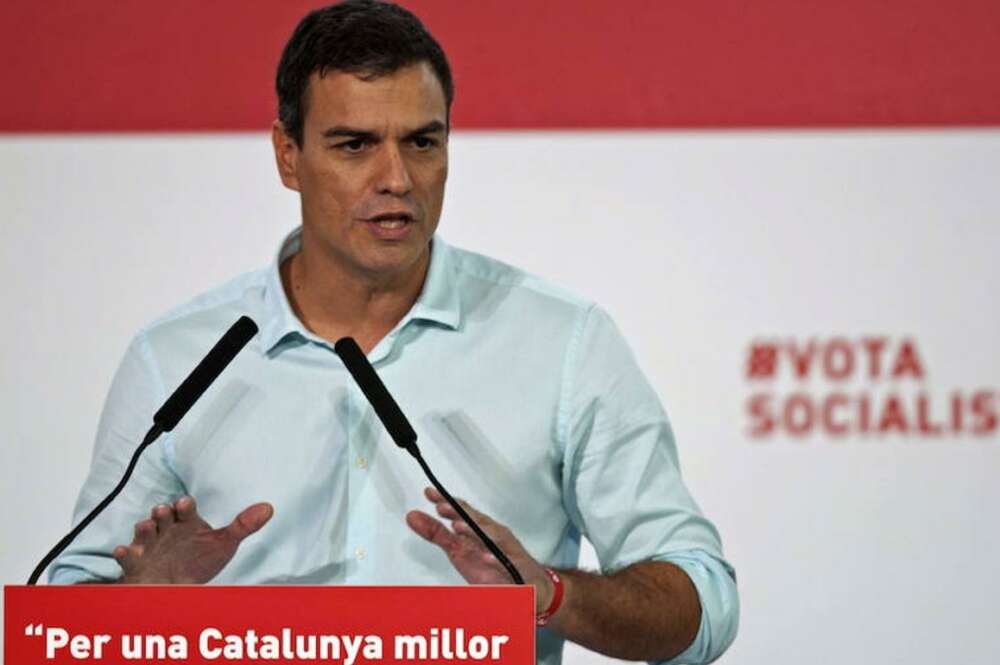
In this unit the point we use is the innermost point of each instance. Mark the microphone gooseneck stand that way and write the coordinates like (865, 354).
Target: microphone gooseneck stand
(154, 432)
(176, 406)
(405, 437)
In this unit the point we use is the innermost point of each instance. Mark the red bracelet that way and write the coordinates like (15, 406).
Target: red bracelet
(557, 597)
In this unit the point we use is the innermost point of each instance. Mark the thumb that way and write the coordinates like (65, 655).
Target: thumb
(250, 521)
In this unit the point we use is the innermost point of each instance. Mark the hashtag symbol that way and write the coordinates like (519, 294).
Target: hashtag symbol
(762, 361)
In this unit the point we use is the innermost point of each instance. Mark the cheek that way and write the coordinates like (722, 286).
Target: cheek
(333, 190)
(433, 177)
(434, 195)
(441, 179)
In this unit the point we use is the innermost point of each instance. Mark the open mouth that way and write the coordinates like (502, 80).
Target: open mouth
(391, 220)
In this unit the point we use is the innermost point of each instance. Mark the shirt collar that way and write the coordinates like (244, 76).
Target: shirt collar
(438, 301)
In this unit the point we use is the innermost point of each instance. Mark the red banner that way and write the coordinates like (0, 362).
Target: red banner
(212, 624)
(189, 65)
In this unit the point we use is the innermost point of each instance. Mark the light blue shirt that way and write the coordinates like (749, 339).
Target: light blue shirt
(526, 400)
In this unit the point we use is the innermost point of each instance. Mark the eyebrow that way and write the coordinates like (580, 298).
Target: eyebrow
(348, 132)
(430, 128)
(368, 135)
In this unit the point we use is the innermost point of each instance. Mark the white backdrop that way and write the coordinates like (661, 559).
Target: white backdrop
(862, 548)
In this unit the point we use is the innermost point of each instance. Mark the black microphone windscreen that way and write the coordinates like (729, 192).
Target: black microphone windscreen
(205, 373)
(385, 406)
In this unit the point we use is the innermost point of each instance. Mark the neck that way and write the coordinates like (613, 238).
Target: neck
(332, 302)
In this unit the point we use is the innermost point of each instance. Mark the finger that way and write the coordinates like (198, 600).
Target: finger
(145, 533)
(127, 556)
(462, 528)
(482, 519)
(465, 530)
(120, 554)
(250, 521)
(186, 509)
(431, 530)
(163, 515)
(435, 497)
(443, 506)
(498, 533)
(446, 511)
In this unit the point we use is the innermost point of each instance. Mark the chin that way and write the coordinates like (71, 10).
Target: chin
(392, 261)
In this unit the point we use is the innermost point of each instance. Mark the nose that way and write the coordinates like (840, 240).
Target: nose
(393, 175)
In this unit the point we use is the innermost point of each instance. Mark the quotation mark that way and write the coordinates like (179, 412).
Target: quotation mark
(35, 630)
(762, 361)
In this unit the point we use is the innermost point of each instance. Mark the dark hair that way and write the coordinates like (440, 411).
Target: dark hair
(358, 36)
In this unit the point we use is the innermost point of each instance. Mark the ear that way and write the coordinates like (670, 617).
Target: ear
(286, 155)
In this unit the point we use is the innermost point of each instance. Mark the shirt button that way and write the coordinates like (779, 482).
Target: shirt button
(362, 463)
(360, 554)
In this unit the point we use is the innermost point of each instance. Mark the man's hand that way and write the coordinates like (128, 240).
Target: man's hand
(467, 553)
(649, 610)
(176, 546)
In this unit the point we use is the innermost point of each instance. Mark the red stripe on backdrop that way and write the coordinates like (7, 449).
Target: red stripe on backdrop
(185, 65)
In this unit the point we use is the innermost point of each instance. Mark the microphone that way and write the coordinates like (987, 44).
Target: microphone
(405, 437)
(378, 396)
(176, 406)
(209, 369)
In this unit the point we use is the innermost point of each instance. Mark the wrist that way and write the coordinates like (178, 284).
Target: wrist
(544, 589)
(551, 605)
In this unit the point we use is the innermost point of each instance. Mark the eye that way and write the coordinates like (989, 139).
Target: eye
(423, 142)
(354, 145)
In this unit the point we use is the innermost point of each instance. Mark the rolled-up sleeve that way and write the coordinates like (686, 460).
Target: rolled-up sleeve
(622, 481)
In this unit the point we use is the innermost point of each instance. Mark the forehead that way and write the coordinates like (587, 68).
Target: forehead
(411, 95)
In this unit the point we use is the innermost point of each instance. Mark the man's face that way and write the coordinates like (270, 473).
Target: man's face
(371, 169)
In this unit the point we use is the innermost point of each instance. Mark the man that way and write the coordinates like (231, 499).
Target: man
(526, 399)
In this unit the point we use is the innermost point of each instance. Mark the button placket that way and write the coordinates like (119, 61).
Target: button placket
(359, 532)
